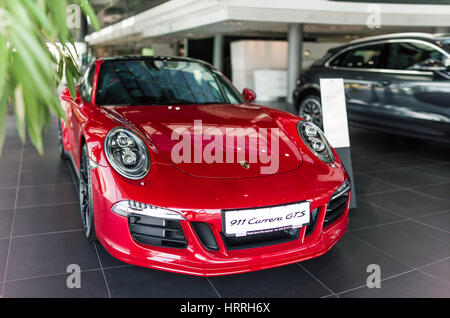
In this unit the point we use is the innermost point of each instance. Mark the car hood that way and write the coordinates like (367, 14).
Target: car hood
(172, 128)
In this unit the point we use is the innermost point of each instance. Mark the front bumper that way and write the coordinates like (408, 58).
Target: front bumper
(113, 232)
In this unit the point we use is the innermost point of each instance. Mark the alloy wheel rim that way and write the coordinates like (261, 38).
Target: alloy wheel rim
(312, 112)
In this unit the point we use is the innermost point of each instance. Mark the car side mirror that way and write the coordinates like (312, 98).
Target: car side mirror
(65, 95)
(249, 94)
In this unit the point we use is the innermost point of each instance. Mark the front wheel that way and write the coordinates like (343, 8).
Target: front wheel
(86, 201)
(311, 109)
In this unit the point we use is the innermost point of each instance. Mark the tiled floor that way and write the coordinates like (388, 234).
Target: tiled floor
(402, 224)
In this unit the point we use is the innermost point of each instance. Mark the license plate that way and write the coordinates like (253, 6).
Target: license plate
(265, 220)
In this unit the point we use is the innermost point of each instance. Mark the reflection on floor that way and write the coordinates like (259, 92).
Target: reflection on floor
(402, 224)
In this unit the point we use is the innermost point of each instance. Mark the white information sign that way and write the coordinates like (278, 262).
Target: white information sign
(334, 112)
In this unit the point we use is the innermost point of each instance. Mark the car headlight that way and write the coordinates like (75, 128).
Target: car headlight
(314, 138)
(127, 153)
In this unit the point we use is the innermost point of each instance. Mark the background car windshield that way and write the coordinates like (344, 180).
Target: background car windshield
(410, 55)
(162, 82)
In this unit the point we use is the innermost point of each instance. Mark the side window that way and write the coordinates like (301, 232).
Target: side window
(86, 84)
(408, 55)
(361, 57)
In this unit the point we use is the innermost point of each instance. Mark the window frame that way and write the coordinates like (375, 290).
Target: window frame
(87, 77)
(384, 70)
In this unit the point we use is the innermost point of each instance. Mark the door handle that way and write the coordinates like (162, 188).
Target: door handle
(385, 83)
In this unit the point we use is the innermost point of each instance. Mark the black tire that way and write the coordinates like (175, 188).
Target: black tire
(62, 153)
(310, 108)
(86, 201)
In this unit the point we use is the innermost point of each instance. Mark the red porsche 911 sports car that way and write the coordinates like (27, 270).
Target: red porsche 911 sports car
(180, 172)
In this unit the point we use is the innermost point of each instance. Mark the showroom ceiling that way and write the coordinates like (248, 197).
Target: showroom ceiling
(112, 11)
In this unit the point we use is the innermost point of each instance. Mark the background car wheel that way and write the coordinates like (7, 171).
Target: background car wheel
(86, 201)
(62, 152)
(311, 109)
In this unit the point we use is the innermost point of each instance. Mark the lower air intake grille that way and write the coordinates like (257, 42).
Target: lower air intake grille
(336, 207)
(259, 240)
(157, 232)
(312, 222)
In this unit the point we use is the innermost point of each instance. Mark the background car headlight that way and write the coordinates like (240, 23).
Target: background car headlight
(314, 138)
(127, 153)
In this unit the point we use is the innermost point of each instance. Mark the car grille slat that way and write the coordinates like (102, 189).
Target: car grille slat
(157, 232)
(336, 207)
(260, 240)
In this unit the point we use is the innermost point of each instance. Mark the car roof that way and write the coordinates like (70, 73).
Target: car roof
(408, 35)
(428, 37)
(151, 58)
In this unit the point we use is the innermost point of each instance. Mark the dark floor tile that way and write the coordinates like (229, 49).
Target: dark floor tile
(47, 219)
(442, 190)
(331, 296)
(345, 266)
(106, 258)
(409, 242)
(143, 282)
(9, 166)
(47, 194)
(11, 153)
(295, 283)
(408, 177)
(439, 170)
(440, 221)
(92, 286)
(50, 153)
(409, 160)
(41, 177)
(366, 185)
(8, 179)
(407, 203)
(368, 215)
(7, 198)
(440, 270)
(6, 217)
(409, 285)
(38, 255)
(4, 246)
(44, 164)
(370, 165)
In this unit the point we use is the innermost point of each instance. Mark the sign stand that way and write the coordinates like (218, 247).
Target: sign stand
(335, 124)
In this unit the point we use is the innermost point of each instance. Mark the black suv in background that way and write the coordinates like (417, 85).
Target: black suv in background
(398, 83)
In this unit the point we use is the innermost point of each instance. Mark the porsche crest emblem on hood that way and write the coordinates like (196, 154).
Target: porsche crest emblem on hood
(245, 164)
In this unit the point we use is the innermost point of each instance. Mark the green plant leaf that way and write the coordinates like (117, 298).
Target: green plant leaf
(89, 11)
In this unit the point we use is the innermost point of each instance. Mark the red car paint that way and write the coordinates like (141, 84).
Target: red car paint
(201, 191)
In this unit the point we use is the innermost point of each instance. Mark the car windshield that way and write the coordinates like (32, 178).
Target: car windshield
(162, 82)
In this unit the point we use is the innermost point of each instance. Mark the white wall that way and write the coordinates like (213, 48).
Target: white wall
(250, 56)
